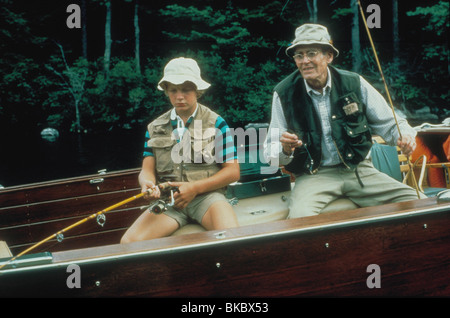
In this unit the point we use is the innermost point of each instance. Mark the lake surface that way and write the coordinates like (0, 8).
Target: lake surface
(26, 160)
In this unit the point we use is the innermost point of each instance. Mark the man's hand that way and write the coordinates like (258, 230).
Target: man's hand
(407, 144)
(185, 194)
(289, 142)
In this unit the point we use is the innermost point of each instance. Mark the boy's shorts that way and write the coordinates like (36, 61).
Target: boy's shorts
(196, 209)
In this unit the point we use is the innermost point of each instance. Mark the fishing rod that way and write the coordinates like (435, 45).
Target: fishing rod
(155, 208)
(416, 186)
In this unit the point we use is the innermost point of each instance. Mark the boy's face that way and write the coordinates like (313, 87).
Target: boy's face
(183, 97)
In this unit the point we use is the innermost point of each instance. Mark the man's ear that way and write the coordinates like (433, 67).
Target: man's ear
(330, 56)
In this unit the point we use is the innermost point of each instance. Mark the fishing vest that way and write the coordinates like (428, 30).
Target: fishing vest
(191, 159)
(349, 126)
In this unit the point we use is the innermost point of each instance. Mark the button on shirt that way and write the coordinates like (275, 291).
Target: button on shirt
(321, 102)
(378, 112)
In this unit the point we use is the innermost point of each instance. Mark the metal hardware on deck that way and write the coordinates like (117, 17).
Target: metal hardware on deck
(425, 226)
(263, 186)
(101, 219)
(327, 245)
(220, 235)
(102, 171)
(258, 212)
(29, 260)
(233, 201)
(284, 198)
(97, 283)
(443, 196)
(95, 181)
(218, 265)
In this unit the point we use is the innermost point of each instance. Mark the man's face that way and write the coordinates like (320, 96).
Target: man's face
(312, 63)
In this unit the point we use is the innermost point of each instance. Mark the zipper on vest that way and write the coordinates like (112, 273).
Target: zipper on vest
(317, 169)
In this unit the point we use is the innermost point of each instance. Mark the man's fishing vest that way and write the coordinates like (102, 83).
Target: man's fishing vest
(191, 159)
(349, 126)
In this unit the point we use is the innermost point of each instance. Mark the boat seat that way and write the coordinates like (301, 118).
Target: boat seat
(4, 250)
(255, 210)
(267, 208)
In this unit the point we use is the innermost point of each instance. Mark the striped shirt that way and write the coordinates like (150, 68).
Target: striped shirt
(224, 147)
(378, 112)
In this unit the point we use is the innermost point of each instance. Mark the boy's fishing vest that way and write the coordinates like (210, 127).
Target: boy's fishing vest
(191, 159)
(350, 129)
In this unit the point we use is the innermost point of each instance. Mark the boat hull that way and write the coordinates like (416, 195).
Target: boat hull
(327, 255)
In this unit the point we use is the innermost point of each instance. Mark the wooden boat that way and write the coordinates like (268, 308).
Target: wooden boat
(332, 254)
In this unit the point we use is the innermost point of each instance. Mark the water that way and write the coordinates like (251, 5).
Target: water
(26, 160)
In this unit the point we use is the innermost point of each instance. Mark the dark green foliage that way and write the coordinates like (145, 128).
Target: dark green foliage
(238, 45)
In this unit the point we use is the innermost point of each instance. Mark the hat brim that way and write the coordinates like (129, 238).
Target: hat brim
(180, 79)
(289, 50)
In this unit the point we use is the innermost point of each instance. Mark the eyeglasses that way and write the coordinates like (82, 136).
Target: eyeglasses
(310, 55)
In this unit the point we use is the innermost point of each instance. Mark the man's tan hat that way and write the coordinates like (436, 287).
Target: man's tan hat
(181, 70)
(308, 34)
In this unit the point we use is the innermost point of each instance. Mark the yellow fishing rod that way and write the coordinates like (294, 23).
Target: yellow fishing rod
(387, 93)
(58, 235)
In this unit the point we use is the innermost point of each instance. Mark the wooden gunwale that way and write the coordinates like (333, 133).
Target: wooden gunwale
(332, 220)
(275, 259)
(272, 229)
(60, 189)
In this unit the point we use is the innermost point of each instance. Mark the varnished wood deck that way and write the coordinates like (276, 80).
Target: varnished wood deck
(325, 255)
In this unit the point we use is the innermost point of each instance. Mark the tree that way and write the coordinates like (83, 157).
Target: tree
(438, 22)
(84, 28)
(136, 37)
(239, 46)
(241, 92)
(312, 9)
(72, 80)
(356, 46)
(395, 32)
(108, 40)
(21, 93)
(354, 13)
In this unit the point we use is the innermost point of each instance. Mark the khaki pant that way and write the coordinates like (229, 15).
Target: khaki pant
(196, 209)
(313, 192)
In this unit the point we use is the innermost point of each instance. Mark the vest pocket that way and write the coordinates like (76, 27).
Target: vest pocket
(358, 140)
(203, 150)
(162, 149)
(194, 172)
(357, 131)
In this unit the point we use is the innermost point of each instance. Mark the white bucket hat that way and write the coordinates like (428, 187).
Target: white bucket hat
(181, 70)
(308, 34)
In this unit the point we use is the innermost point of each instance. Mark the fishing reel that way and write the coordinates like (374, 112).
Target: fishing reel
(161, 205)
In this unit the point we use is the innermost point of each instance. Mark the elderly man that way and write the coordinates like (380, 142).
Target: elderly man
(323, 119)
